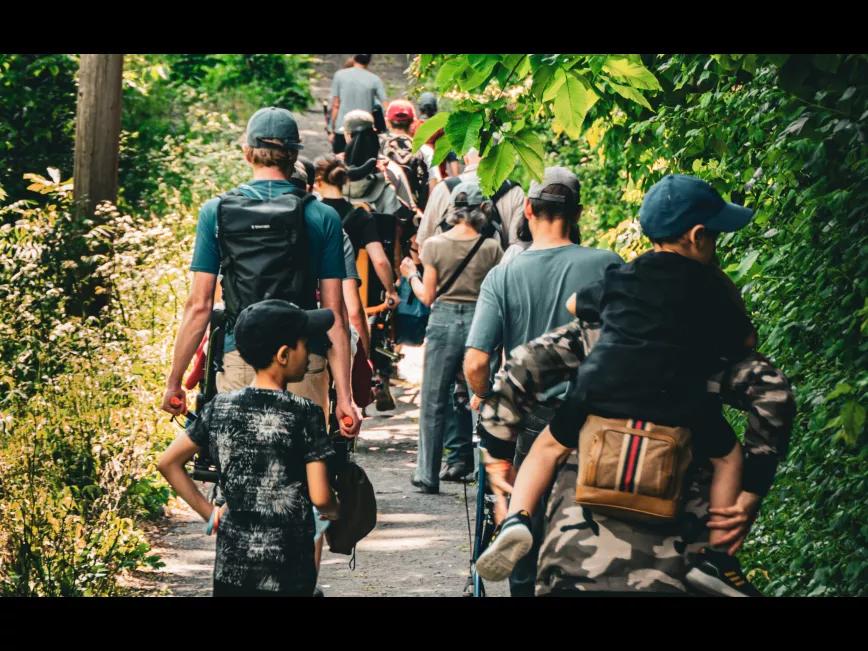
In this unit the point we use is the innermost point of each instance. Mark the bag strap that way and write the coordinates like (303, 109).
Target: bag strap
(461, 267)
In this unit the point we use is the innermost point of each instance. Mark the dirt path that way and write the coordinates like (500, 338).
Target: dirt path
(420, 545)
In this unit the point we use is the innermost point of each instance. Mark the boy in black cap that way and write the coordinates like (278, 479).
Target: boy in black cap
(669, 322)
(270, 446)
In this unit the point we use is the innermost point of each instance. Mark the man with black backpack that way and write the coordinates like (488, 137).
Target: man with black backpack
(269, 239)
(508, 202)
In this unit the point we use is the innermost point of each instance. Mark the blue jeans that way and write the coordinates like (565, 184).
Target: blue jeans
(448, 327)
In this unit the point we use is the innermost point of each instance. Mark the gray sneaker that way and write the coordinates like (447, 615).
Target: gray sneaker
(510, 542)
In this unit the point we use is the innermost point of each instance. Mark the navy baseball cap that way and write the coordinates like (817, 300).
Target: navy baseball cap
(273, 123)
(677, 203)
(265, 326)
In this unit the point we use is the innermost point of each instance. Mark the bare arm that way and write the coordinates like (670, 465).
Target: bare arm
(383, 268)
(197, 313)
(356, 313)
(336, 105)
(425, 289)
(321, 495)
(171, 466)
(476, 370)
(339, 355)
(536, 472)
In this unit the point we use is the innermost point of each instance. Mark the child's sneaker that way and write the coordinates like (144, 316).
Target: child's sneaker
(511, 541)
(719, 574)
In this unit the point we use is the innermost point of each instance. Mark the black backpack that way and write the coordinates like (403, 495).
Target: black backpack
(358, 510)
(495, 225)
(264, 251)
(400, 150)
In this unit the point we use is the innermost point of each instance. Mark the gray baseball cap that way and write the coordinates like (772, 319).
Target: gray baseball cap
(555, 176)
(473, 194)
(273, 123)
(358, 120)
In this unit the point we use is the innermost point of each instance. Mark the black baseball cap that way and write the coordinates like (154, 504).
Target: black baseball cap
(677, 203)
(273, 123)
(265, 326)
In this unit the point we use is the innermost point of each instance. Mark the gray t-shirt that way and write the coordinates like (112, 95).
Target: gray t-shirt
(445, 252)
(527, 298)
(356, 88)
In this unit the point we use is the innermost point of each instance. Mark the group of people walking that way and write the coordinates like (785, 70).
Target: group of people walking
(541, 345)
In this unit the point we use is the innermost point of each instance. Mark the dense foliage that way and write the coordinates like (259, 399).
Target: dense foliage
(37, 116)
(79, 424)
(782, 134)
(37, 108)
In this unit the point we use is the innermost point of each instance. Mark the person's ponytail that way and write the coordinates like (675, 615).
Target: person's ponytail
(331, 170)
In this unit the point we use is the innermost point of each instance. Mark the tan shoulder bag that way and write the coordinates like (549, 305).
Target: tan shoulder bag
(632, 469)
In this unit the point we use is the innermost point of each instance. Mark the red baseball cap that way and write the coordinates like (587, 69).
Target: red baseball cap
(400, 109)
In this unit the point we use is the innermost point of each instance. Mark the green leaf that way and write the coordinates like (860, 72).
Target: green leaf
(630, 93)
(496, 167)
(558, 78)
(746, 265)
(448, 73)
(541, 78)
(462, 129)
(441, 149)
(853, 421)
(841, 389)
(428, 128)
(572, 103)
(473, 77)
(530, 150)
(634, 73)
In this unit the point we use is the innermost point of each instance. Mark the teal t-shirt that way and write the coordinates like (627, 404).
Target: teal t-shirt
(526, 298)
(324, 232)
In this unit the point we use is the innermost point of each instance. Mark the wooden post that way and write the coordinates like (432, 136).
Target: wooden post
(97, 130)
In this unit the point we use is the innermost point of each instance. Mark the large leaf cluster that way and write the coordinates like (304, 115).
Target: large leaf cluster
(786, 135)
(500, 99)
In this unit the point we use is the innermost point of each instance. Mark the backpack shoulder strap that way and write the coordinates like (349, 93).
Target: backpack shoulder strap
(452, 182)
(502, 191)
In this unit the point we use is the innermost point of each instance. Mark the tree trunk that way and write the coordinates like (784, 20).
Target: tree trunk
(97, 130)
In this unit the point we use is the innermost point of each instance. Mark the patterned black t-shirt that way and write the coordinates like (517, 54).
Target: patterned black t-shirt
(261, 440)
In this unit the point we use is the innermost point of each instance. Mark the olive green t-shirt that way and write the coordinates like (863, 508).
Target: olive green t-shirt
(445, 252)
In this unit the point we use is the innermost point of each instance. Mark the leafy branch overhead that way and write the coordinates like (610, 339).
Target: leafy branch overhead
(499, 99)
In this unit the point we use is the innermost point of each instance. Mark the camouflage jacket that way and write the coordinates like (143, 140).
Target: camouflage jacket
(540, 373)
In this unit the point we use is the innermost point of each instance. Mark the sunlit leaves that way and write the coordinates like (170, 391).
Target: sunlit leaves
(632, 72)
(495, 168)
(572, 102)
(462, 129)
(530, 149)
(428, 128)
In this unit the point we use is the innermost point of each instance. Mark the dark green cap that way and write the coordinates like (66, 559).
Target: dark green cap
(273, 123)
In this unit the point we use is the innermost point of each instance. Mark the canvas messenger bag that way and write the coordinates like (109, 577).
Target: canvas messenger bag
(632, 469)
